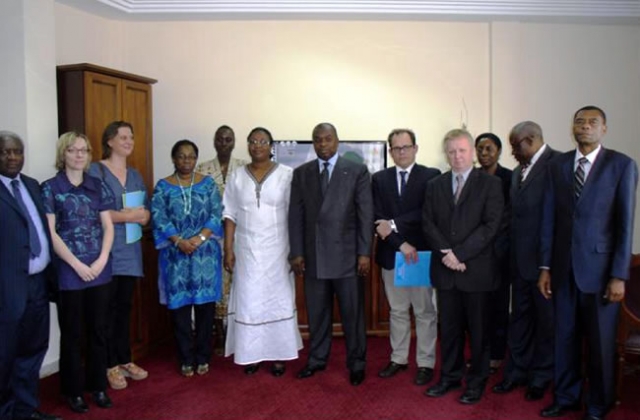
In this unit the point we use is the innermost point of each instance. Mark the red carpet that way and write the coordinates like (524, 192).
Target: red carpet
(227, 393)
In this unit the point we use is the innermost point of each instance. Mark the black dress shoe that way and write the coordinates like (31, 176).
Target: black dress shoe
(557, 410)
(251, 369)
(356, 377)
(277, 369)
(391, 369)
(534, 393)
(77, 404)
(309, 371)
(505, 387)
(424, 375)
(471, 396)
(101, 399)
(441, 388)
(38, 415)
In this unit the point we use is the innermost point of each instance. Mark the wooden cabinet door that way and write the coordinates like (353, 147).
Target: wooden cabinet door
(136, 109)
(103, 104)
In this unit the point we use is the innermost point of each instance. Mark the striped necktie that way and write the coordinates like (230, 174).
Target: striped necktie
(523, 172)
(579, 177)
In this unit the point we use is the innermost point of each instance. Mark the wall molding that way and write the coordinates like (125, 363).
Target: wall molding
(616, 11)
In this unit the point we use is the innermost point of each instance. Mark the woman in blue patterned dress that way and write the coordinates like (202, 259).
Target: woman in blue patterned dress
(77, 207)
(186, 211)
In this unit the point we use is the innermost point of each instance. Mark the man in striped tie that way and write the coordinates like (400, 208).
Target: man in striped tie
(586, 238)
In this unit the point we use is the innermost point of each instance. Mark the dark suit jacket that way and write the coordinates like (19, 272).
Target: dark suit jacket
(468, 228)
(501, 244)
(14, 250)
(331, 232)
(591, 236)
(406, 212)
(526, 216)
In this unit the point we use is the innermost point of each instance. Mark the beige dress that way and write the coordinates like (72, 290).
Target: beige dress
(212, 169)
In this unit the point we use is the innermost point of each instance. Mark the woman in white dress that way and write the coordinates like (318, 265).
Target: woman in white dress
(262, 318)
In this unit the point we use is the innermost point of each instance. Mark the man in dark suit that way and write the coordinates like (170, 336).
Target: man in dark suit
(330, 231)
(24, 296)
(462, 215)
(531, 331)
(585, 243)
(398, 196)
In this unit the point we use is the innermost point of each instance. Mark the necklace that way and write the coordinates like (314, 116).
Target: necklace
(186, 194)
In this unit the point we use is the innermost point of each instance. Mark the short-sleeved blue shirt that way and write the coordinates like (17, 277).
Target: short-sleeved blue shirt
(77, 211)
(127, 258)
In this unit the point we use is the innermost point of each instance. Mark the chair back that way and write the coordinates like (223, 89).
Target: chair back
(632, 289)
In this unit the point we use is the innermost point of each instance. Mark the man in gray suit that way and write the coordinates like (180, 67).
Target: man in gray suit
(330, 232)
(531, 328)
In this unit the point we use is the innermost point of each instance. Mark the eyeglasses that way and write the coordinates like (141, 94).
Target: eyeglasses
(74, 151)
(401, 148)
(186, 157)
(259, 142)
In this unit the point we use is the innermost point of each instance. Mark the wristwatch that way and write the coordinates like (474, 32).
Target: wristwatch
(393, 226)
(202, 237)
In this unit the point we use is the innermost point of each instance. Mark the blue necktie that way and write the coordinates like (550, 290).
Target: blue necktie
(403, 182)
(34, 241)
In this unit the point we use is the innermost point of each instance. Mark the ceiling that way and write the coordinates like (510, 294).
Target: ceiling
(603, 11)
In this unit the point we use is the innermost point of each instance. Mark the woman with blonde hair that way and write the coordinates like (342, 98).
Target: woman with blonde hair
(77, 207)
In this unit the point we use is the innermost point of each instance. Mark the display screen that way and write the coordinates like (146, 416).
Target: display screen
(294, 153)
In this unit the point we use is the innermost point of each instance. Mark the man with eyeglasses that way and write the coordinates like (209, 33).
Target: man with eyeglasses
(25, 276)
(530, 335)
(398, 197)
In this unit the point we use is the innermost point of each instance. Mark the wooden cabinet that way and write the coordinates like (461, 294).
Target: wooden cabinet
(89, 98)
(376, 307)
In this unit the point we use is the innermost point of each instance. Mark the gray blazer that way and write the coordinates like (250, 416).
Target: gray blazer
(331, 232)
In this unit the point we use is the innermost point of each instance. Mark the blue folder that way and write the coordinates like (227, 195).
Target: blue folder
(415, 274)
(133, 199)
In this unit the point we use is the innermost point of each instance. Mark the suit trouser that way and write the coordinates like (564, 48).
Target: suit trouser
(121, 295)
(531, 336)
(25, 339)
(204, 315)
(460, 311)
(585, 315)
(77, 310)
(499, 311)
(401, 299)
(319, 299)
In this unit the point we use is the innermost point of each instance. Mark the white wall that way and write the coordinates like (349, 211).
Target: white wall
(28, 91)
(367, 77)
